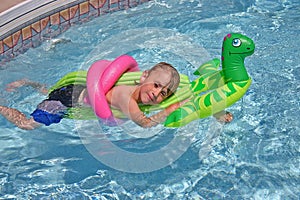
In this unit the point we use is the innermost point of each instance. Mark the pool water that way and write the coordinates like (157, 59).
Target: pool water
(257, 156)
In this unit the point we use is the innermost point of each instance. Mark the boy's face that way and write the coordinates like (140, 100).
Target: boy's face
(154, 87)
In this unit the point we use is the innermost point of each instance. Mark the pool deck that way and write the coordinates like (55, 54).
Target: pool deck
(6, 4)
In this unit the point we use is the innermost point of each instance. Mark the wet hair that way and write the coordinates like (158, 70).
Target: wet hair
(175, 78)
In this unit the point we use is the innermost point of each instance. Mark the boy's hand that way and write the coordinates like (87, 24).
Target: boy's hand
(224, 117)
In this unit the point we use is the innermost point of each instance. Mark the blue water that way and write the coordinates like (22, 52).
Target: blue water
(257, 156)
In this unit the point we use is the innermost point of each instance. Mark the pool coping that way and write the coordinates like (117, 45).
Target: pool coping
(23, 27)
(26, 11)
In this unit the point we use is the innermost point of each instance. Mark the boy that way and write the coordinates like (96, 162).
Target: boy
(155, 85)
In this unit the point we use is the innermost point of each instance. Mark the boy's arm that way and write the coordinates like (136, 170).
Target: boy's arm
(122, 100)
(141, 119)
(131, 109)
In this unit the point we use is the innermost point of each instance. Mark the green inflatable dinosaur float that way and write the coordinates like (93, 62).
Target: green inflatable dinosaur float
(223, 87)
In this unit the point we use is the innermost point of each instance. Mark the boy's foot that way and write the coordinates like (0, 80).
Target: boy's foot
(11, 87)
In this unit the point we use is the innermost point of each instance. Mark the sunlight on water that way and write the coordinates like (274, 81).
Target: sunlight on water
(254, 157)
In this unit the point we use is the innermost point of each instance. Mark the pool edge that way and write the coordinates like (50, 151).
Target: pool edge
(22, 27)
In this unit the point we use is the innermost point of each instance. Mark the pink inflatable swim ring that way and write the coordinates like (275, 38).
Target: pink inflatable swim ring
(101, 77)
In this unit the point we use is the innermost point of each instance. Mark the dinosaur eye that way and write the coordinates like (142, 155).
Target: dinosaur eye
(236, 42)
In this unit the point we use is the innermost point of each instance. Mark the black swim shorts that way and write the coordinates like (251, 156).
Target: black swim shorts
(55, 107)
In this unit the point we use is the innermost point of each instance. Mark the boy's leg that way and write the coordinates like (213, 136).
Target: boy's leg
(24, 82)
(18, 118)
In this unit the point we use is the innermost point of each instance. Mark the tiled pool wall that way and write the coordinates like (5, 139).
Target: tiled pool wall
(30, 23)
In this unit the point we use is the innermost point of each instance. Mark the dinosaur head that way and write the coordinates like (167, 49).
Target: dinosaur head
(236, 44)
(235, 48)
